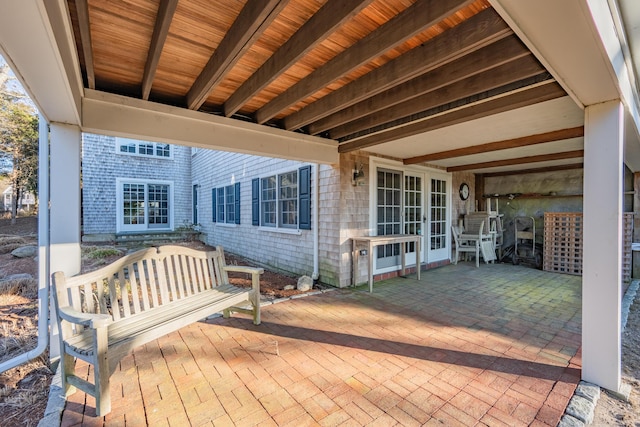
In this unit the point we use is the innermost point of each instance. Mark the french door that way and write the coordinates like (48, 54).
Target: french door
(400, 204)
(410, 202)
(144, 205)
(438, 220)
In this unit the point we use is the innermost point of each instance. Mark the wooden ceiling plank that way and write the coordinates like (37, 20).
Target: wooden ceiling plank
(160, 31)
(487, 58)
(519, 161)
(82, 8)
(536, 170)
(541, 138)
(478, 31)
(253, 20)
(386, 111)
(413, 20)
(323, 23)
(531, 95)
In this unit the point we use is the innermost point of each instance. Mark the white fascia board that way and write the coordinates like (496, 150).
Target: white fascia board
(606, 15)
(562, 36)
(47, 68)
(116, 115)
(577, 41)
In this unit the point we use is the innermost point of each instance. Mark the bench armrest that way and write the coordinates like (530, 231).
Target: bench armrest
(254, 271)
(243, 269)
(93, 321)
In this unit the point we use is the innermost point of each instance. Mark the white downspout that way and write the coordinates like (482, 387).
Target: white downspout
(316, 233)
(43, 252)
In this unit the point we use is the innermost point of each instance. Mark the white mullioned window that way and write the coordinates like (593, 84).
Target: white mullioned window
(226, 204)
(282, 201)
(144, 205)
(135, 147)
(279, 200)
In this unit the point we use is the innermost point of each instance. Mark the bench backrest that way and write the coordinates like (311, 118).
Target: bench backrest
(143, 280)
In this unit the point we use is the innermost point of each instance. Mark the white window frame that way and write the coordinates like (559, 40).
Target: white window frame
(138, 143)
(223, 219)
(278, 227)
(121, 227)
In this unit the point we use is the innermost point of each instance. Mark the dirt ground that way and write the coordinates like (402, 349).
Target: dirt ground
(611, 411)
(24, 390)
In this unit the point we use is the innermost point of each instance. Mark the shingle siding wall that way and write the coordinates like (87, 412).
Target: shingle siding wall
(213, 169)
(101, 165)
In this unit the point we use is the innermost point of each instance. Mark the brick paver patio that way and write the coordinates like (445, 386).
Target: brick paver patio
(496, 346)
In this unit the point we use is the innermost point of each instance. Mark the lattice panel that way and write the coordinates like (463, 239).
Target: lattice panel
(563, 242)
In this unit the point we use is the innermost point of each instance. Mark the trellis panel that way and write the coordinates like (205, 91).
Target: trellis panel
(563, 242)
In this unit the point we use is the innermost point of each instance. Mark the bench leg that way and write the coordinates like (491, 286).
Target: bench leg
(102, 373)
(255, 302)
(226, 313)
(68, 369)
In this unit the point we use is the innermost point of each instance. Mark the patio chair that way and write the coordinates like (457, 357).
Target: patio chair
(466, 244)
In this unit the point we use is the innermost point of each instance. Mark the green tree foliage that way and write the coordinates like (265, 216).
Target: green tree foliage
(18, 139)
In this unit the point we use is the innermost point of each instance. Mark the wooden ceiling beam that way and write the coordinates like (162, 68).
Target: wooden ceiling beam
(160, 31)
(519, 161)
(254, 18)
(478, 31)
(533, 94)
(541, 138)
(422, 15)
(392, 108)
(487, 58)
(536, 170)
(82, 8)
(323, 23)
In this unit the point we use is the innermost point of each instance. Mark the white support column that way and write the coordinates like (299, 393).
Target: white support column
(602, 258)
(64, 217)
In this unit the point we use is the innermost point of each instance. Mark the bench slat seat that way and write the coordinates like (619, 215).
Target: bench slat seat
(155, 323)
(103, 315)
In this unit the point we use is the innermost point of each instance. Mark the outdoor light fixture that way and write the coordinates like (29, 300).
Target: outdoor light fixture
(358, 175)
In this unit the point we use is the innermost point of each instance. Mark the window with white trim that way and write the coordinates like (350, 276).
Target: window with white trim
(283, 201)
(143, 148)
(144, 205)
(226, 204)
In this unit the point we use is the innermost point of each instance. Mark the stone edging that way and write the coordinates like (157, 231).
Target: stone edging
(582, 406)
(55, 405)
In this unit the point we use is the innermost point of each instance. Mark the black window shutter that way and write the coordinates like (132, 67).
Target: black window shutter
(304, 198)
(236, 190)
(255, 201)
(214, 201)
(221, 197)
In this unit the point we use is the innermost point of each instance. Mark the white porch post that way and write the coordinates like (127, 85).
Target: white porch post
(64, 216)
(602, 258)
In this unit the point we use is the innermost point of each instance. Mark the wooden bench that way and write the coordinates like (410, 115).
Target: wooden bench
(104, 314)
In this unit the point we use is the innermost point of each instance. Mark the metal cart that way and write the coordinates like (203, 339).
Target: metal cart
(525, 248)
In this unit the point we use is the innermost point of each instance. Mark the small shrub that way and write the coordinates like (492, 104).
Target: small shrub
(97, 253)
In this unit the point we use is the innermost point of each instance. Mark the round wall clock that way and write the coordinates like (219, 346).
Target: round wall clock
(464, 191)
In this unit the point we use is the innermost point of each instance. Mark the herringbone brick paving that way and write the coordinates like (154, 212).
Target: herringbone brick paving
(494, 346)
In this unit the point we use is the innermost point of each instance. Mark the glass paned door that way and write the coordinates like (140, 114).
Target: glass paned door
(389, 218)
(438, 220)
(413, 213)
(158, 211)
(133, 215)
(144, 206)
